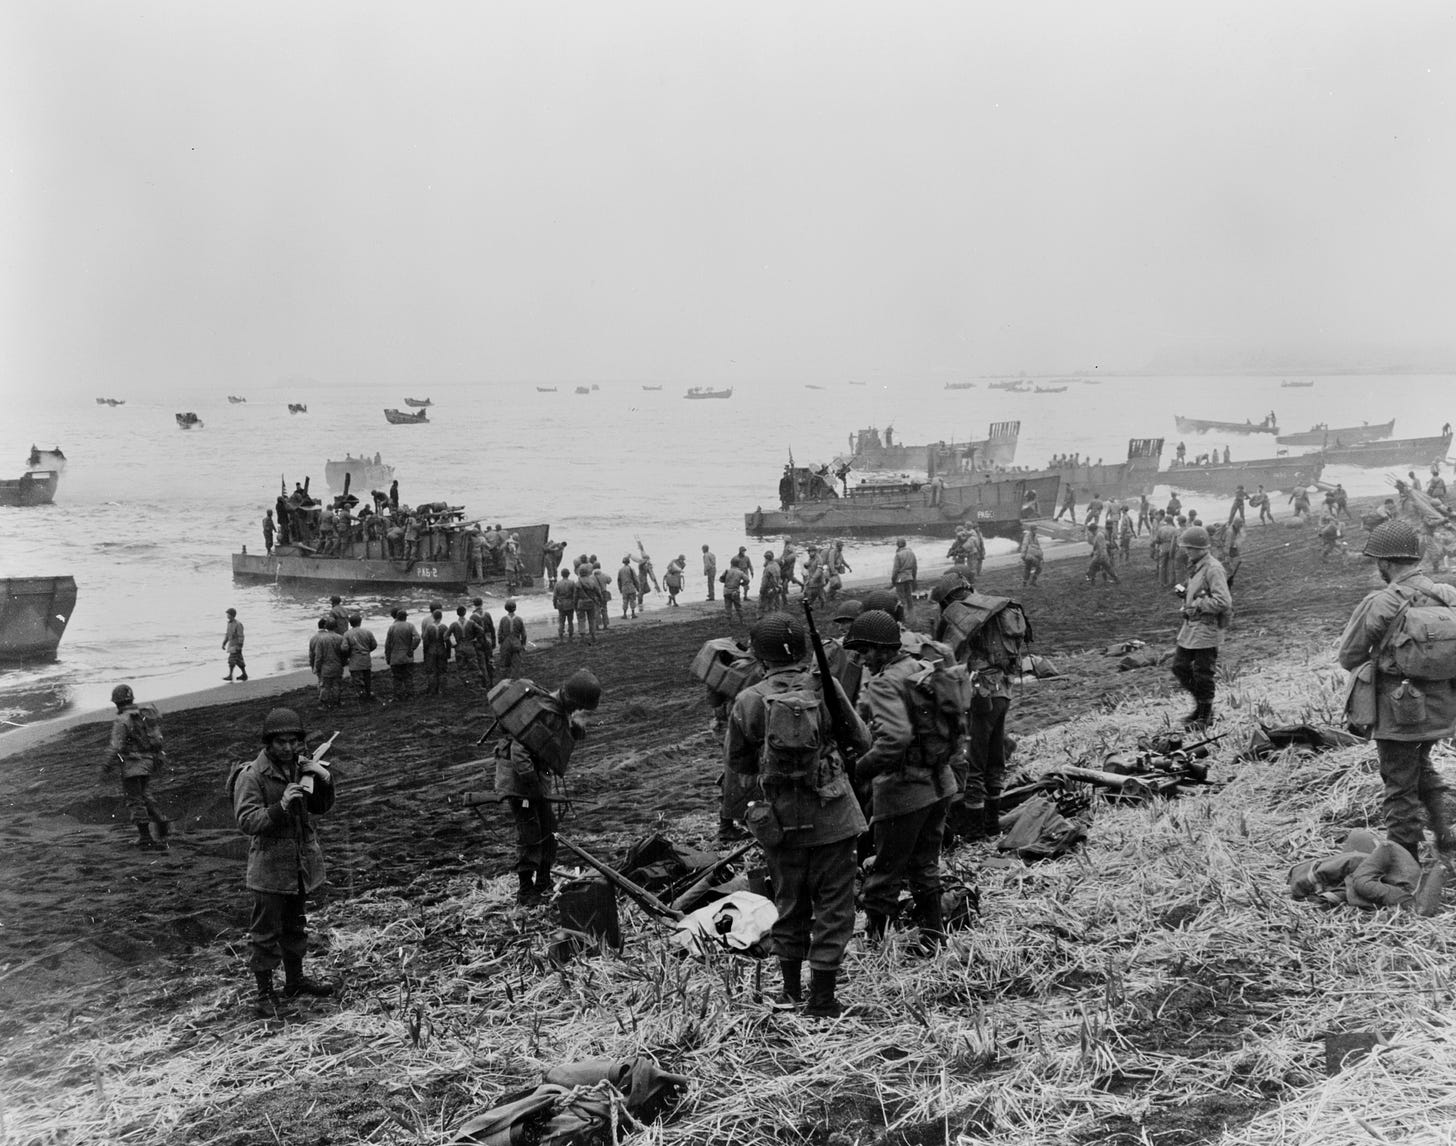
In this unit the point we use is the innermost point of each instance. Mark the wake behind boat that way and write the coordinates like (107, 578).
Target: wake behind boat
(1322, 434)
(1205, 426)
(361, 473)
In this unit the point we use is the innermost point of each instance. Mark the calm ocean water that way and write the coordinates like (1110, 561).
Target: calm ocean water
(148, 515)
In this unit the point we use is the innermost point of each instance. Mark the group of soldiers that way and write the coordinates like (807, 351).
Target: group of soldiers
(479, 647)
(820, 580)
(582, 594)
(385, 528)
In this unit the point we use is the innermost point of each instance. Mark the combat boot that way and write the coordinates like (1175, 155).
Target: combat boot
(822, 1001)
(875, 924)
(296, 983)
(526, 892)
(144, 841)
(159, 830)
(792, 993)
(931, 916)
(544, 886)
(991, 819)
(267, 1004)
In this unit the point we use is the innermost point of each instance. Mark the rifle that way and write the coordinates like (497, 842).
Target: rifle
(701, 880)
(473, 800)
(838, 718)
(318, 753)
(637, 894)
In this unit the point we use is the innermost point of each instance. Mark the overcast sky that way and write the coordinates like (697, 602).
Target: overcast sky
(224, 194)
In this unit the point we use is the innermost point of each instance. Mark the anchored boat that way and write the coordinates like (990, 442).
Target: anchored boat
(236, 400)
(911, 507)
(418, 403)
(400, 418)
(707, 392)
(1224, 478)
(188, 421)
(1323, 435)
(298, 408)
(34, 612)
(1399, 452)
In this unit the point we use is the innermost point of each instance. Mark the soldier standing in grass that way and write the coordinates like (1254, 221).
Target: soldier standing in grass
(1207, 604)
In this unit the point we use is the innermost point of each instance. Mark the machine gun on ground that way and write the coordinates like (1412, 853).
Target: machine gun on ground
(1163, 766)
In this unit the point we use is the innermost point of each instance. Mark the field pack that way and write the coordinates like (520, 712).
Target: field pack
(146, 728)
(938, 697)
(525, 715)
(1423, 639)
(994, 626)
(725, 667)
(796, 732)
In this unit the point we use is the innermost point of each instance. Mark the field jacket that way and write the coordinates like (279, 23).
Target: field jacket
(400, 643)
(284, 855)
(1211, 603)
(359, 644)
(1363, 634)
(901, 785)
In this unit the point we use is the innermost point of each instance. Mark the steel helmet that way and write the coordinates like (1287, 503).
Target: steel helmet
(122, 694)
(768, 555)
(847, 611)
(281, 720)
(884, 600)
(778, 639)
(1194, 537)
(1394, 539)
(582, 689)
(947, 588)
(873, 627)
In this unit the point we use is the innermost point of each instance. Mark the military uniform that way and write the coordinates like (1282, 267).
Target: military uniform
(1207, 603)
(139, 754)
(512, 634)
(400, 643)
(813, 867)
(525, 781)
(359, 646)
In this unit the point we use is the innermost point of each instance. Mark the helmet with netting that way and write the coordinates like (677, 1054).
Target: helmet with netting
(1397, 539)
(873, 627)
(583, 689)
(280, 721)
(1194, 537)
(778, 639)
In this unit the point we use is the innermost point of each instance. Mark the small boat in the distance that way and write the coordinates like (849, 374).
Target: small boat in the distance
(1287, 384)
(418, 403)
(400, 418)
(960, 385)
(111, 401)
(545, 389)
(583, 390)
(1205, 426)
(1321, 434)
(297, 408)
(1049, 390)
(853, 383)
(236, 400)
(189, 421)
(698, 392)
(652, 387)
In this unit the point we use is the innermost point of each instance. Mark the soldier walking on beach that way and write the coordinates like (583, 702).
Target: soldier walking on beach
(588, 603)
(770, 586)
(1207, 605)
(1101, 557)
(1165, 542)
(806, 818)
(359, 646)
(1068, 505)
(327, 656)
(525, 777)
(1031, 556)
(275, 798)
(627, 588)
(400, 643)
(232, 640)
(512, 637)
(1144, 520)
(1411, 716)
(909, 765)
(903, 573)
(672, 580)
(733, 580)
(135, 746)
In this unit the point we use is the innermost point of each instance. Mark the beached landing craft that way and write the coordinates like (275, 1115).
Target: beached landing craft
(188, 421)
(869, 451)
(445, 564)
(1398, 452)
(1224, 479)
(35, 487)
(1132, 478)
(34, 612)
(400, 418)
(1323, 435)
(1204, 426)
(706, 392)
(418, 403)
(884, 508)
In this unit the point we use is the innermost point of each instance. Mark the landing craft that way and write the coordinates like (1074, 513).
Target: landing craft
(34, 612)
(869, 451)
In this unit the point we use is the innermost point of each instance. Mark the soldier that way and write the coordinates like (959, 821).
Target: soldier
(1329, 536)
(1436, 486)
(524, 777)
(973, 551)
(359, 646)
(1101, 557)
(436, 650)
(1125, 533)
(135, 746)
(1300, 499)
(734, 578)
(710, 570)
(1410, 716)
(836, 559)
(327, 657)
(515, 570)
(400, 643)
(770, 586)
(274, 799)
(646, 576)
(268, 531)
(588, 606)
(1031, 556)
(338, 616)
(815, 580)
(484, 633)
(1144, 519)
(627, 587)
(603, 581)
(903, 573)
(1207, 604)
(1342, 498)
(909, 766)
(512, 638)
(745, 562)
(232, 640)
(672, 580)
(1240, 497)
(563, 599)
(1165, 540)
(1093, 516)
(808, 819)
(1067, 506)
(467, 651)
(551, 559)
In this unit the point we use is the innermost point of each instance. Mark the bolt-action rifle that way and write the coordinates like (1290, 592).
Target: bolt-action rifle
(839, 722)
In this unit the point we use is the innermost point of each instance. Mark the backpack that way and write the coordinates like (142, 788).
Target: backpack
(524, 713)
(146, 728)
(1423, 639)
(725, 667)
(795, 734)
(937, 697)
(994, 627)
